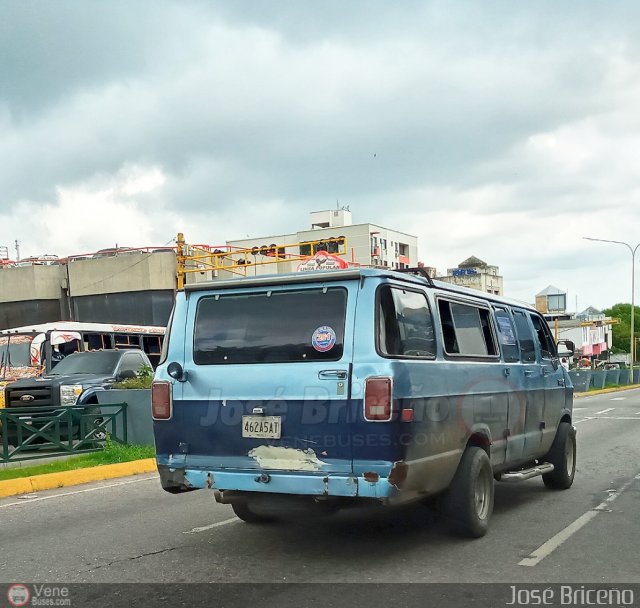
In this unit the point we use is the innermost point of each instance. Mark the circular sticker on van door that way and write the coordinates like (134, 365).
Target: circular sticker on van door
(323, 338)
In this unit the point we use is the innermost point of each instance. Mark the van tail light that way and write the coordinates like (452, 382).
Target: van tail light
(377, 400)
(161, 402)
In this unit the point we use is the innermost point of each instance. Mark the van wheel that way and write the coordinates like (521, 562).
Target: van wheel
(562, 456)
(468, 504)
(243, 512)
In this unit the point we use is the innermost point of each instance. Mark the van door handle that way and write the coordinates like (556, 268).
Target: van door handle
(332, 373)
(528, 372)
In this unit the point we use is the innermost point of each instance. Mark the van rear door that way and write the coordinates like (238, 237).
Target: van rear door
(269, 376)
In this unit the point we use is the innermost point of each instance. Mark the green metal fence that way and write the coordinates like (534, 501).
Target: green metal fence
(28, 433)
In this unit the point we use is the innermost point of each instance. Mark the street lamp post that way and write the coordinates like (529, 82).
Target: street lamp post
(633, 291)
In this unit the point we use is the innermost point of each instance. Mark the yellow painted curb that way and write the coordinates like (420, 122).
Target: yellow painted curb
(49, 481)
(603, 391)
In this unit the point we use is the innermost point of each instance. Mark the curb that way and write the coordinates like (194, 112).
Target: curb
(604, 391)
(50, 481)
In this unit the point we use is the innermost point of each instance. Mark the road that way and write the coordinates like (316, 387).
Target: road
(129, 530)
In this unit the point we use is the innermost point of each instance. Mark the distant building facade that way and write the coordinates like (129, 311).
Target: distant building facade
(134, 287)
(364, 244)
(551, 300)
(475, 273)
(137, 286)
(589, 330)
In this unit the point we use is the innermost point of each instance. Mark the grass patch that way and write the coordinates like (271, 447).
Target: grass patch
(112, 453)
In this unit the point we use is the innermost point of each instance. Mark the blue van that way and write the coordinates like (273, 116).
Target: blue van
(321, 390)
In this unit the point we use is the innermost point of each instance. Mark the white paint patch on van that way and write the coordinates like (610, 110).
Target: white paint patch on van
(286, 459)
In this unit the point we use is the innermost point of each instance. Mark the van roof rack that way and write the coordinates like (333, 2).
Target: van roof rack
(418, 271)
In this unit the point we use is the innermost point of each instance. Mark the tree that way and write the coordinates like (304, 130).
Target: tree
(622, 331)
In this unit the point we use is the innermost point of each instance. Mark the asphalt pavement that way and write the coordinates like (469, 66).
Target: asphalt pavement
(129, 530)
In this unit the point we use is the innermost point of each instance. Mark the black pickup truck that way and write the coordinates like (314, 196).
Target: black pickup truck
(75, 381)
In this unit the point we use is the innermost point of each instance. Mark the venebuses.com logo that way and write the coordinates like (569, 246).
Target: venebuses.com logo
(44, 594)
(18, 595)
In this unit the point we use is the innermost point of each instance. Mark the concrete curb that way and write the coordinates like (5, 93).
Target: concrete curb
(49, 481)
(604, 391)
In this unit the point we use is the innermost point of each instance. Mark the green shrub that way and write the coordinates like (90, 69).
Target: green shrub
(143, 379)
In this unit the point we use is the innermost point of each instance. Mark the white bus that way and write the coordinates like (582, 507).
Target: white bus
(35, 349)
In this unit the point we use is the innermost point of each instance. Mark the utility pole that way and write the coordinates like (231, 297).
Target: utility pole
(633, 291)
(17, 250)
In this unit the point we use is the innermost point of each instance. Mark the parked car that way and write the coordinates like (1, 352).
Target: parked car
(74, 381)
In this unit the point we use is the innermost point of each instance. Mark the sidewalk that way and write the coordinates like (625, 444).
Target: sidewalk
(50, 481)
(603, 391)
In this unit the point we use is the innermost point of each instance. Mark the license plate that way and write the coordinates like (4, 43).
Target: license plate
(261, 427)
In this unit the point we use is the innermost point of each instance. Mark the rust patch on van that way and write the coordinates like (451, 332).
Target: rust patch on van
(398, 474)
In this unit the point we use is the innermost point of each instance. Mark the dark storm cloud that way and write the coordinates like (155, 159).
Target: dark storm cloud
(169, 83)
(49, 50)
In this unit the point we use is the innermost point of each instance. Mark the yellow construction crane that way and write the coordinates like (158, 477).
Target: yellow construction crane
(237, 260)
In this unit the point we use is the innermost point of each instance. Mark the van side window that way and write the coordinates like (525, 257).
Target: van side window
(547, 348)
(405, 326)
(525, 337)
(507, 336)
(466, 330)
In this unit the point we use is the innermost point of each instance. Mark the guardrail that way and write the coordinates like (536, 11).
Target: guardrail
(28, 433)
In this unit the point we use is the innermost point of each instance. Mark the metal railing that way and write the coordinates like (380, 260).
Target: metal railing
(28, 433)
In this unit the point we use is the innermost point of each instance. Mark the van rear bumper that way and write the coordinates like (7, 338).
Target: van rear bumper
(280, 482)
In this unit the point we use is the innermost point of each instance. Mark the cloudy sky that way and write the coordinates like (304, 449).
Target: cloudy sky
(497, 129)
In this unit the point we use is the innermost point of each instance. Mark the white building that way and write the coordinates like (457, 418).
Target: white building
(476, 274)
(589, 330)
(332, 231)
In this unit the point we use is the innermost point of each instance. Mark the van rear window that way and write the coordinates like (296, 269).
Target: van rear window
(270, 327)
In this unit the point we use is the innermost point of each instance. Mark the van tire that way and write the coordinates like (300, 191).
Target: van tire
(468, 504)
(562, 456)
(243, 512)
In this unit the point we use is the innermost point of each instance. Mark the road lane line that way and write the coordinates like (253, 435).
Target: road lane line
(555, 541)
(582, 420)
(577, 409)
(29, 501)
(609, 409)
(233, 520)
(617, 399)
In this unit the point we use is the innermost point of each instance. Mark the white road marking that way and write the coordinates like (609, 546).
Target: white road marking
(609, 409)
(103, 487)
(617, 399)
(606, 418)
(555, 541)
(577, 409)
(581, 420)
(233, 520)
